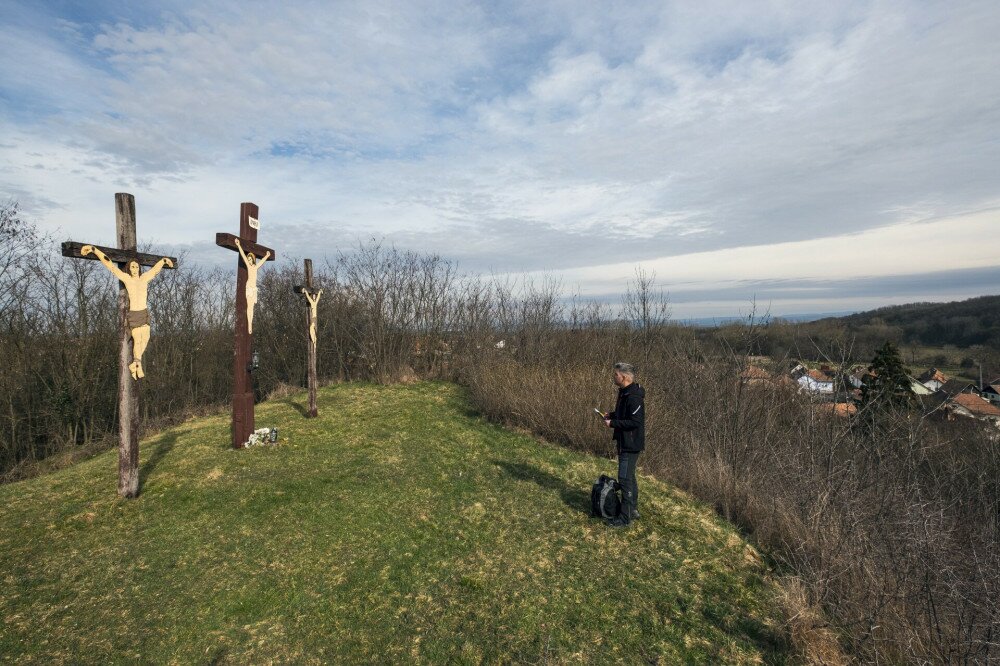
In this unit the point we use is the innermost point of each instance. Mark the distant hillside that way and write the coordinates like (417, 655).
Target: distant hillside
(975, 321)
(398, 527)
(711, 322)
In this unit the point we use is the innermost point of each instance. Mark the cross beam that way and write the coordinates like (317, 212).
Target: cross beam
(117, 255)
(250, 244)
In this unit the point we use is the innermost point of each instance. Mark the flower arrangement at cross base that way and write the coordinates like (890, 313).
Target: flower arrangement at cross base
(262, 437)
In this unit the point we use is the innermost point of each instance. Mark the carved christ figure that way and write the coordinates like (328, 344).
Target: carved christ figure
(136, 285)
(313, 302)
(251, 288)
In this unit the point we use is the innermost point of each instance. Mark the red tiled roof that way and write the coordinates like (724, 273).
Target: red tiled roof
(754, 372)
(976, 405)
(838, 408)
(933, 375)
(819, 375)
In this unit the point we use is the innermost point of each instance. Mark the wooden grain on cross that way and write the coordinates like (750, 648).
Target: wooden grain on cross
(73, 249)
(243, 395)
(229, 241)
(128, 392)
(309, 295)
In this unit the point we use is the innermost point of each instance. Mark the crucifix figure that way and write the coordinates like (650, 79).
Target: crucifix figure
(313, 303)
(246, 298)
(134, 320)
(251, 286)
(312, 300)
(137, 317)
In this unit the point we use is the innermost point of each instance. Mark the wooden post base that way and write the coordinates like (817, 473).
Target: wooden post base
(243, 418)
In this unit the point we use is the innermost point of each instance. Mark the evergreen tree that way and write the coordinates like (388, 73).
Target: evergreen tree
(887, 383)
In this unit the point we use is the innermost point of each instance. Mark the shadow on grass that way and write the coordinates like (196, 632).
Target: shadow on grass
(163, 447)
(301, 409)
(470, 412)
(721, 613)
(575, 498)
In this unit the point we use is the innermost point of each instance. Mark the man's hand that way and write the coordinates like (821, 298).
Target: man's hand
(167, 262)
(607, 422)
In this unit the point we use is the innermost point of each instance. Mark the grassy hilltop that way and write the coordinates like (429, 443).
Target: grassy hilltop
(397, 527)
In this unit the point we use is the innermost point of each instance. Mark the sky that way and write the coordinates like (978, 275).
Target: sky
(804, 156)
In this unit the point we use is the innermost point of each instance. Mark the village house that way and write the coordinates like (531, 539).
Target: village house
(812, 381)
(918, 387)
(992, 392)
(841, 409)
(933, 379)
(855, 376)
(973, 406)
(954, 387)
(755, 375)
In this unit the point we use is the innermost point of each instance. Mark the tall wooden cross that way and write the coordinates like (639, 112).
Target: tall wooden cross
(128, 390)
(310, 296)
(246, 245)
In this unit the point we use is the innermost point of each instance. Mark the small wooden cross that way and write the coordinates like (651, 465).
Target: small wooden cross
(246, 245)
(311, 298)
(128, 392)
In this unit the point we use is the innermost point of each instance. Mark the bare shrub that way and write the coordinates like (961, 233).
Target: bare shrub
(888, 522)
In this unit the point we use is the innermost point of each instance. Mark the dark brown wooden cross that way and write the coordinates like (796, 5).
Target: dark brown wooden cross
(243, 401)
(302, 290)
(128, 390)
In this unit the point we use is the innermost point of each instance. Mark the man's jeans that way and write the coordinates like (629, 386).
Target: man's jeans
(630, 486)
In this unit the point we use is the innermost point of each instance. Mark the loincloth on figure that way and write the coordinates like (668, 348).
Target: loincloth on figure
(137, 318)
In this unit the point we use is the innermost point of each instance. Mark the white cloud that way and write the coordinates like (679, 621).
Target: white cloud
(552, 135)
(909, 249)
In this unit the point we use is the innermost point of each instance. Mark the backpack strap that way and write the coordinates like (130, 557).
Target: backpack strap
(607, 488)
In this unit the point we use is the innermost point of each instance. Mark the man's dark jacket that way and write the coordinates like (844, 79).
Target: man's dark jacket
(629, 418)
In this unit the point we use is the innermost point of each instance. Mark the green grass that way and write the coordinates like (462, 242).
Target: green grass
(397, 527)
(922, 357)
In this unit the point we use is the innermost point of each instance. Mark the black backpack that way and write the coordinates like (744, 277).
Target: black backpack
(604, 500)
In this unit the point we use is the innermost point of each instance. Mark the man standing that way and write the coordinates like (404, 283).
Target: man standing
(629, 422)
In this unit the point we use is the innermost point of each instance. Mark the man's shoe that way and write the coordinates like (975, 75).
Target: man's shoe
(635, 514)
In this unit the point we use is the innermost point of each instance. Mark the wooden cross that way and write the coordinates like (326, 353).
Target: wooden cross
(245, 244)
(128, 391)
(310, 297)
